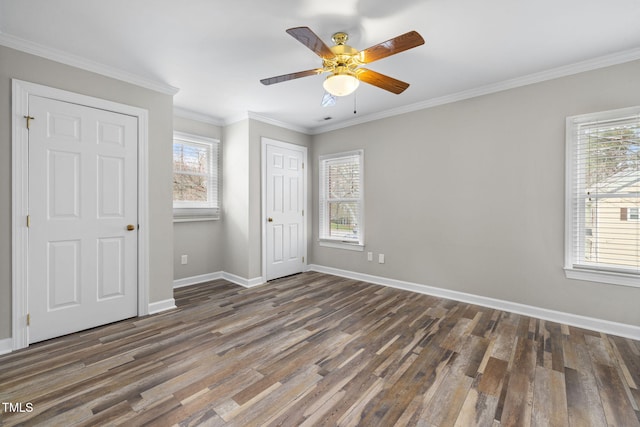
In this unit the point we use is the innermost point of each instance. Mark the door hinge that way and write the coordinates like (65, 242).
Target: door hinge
(302, 212)
(28, 319)
(28, 221)
(302, 165)
(302, 259)
(29, 118)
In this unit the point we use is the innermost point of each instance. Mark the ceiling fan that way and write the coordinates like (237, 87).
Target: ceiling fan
(344, 62)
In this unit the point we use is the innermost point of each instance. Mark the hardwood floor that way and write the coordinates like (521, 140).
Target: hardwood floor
(315, 349)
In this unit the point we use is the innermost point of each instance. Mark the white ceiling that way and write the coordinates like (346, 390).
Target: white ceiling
(216, 52)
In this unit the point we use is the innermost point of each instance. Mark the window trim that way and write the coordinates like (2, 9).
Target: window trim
(185, 211)
(337, 243)
(586, 272)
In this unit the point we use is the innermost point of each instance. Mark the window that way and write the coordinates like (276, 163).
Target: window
(195, 178)
(628, 214)
(341, 200)
(603, 196)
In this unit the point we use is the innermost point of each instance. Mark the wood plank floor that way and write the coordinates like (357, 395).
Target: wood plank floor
(315, 349)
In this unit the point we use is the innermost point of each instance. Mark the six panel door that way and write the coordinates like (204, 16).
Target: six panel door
(83, 217)
(284, 209)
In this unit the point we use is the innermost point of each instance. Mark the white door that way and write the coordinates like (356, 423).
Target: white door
(285, 234)
(83, 217)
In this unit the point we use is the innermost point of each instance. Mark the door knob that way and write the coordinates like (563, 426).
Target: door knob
(270, 219)
(131, 227)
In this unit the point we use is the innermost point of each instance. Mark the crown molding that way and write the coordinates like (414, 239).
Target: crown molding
(198, 117)
(229, 120)
(270, 121)
(264, 119)
(554, 73)
(66, 58)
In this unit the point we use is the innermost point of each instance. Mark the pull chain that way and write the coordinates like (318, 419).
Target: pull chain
(354, 103)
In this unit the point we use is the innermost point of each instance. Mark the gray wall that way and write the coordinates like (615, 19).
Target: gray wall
(242, 206)
(469, 196)
(14, 64)
(258, 130)
(200, 240)
(235, 198)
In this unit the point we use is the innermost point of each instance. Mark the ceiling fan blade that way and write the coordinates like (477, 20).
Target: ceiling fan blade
(308, 38)
(381, 81)
(291, 76)
(391, 47)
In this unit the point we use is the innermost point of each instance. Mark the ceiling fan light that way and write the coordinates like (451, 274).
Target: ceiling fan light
(341, 84)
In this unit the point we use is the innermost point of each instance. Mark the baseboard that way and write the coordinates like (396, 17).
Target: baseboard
(160, 306)
(194, 280)
(247, 283)
(6, 346)
(600, 325)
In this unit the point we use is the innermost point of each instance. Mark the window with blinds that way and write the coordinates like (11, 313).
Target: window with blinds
(195, 177)
(603, 196)
(341, 198)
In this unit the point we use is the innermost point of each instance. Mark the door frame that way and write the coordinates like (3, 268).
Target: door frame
(21, 91)
(263, 218)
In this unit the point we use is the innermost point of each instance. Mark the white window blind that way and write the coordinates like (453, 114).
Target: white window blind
(195, 177)
(603, 183)
(341, 198)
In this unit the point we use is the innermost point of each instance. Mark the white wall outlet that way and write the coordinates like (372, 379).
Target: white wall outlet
(369, 256)
(381, 259)
(184, 259)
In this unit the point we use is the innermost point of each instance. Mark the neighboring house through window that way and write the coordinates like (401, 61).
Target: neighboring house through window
(603, 197)
(628, 214)
(195, 178)
(341, 220)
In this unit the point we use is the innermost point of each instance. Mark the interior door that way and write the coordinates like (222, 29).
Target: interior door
(83, 217)
(285, 236)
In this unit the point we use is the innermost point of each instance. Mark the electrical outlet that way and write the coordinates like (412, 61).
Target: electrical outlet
(381, 259)
(369, 256)
(184, 259)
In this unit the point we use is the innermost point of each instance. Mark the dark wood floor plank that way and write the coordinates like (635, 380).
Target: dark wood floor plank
(549, 398)
(478, 409)
(617, 407)
(518, 401)
(505, 336)
(315, 349)
(627, 360)
(448, 401)
(493, 377)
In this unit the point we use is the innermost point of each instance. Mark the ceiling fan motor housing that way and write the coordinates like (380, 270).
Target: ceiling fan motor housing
(343, 79)
(346, 58)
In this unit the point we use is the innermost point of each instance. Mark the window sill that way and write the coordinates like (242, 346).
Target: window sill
(342, 245)
(609, 277)
(196, 219)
